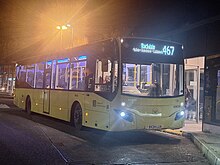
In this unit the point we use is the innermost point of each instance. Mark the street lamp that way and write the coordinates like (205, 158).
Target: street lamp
(64, 27)
(61, 28)
(69, 26)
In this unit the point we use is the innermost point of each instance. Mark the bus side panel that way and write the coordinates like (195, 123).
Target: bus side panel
(21, 95)
(18, 99)
(96, 112)
(75, 96)
(37, 100)
(59, 104)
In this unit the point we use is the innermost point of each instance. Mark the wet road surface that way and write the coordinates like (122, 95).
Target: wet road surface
(41, 140)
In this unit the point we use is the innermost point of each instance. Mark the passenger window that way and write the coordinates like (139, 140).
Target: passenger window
(30, 75)
(77, 75)
(53, 72)
(39, 75)
(62, 76)
(18, 68)
(22, 74)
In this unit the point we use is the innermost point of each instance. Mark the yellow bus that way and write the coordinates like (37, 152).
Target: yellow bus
(113, 85)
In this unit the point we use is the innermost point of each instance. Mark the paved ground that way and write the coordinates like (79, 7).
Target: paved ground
(40, 140)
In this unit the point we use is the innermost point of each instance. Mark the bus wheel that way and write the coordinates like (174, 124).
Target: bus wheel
(28, 106)
(77, 116)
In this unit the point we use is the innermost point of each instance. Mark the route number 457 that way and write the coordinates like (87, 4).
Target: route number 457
(168, 50)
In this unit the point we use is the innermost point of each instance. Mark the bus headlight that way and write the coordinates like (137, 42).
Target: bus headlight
(125, 115)
(122, 114)
(179, 115)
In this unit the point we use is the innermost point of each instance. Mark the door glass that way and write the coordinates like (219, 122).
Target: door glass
(103, 77)
(115, 76)
(47, 80)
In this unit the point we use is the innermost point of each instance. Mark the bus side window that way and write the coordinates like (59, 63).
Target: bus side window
(62, 76)
(30, 75)
(81, 75)
(18, 69)
(53, 76)
(39, 75)
(23, 74)
(78, 75)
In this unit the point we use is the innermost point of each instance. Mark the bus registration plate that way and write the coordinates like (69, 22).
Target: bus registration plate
(154, 127)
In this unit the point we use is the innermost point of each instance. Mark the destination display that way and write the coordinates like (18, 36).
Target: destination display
(141, 50)
(152, 48)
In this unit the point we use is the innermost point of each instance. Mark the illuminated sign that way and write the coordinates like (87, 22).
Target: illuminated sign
(152, 48)
(63, 60)
(82, 57)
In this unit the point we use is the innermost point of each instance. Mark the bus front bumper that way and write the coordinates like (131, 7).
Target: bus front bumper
(124, 121)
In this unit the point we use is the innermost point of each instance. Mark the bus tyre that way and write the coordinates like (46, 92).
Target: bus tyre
(28, 106)
(76, 118)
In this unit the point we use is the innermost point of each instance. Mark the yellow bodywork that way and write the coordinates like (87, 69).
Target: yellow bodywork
(98, 112)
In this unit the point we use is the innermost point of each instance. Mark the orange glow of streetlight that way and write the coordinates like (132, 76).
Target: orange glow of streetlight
(63, 27)
(68, 25)
(58, 27)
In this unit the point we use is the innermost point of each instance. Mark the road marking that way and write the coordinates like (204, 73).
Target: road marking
(4, 106)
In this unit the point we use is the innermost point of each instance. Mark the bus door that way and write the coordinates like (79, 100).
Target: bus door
(47, 87)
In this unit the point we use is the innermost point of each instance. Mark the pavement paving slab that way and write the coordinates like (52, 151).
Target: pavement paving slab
(209, 144)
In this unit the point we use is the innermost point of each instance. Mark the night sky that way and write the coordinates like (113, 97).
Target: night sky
(28, 27)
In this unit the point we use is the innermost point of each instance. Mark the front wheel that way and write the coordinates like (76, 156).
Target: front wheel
(77, 116)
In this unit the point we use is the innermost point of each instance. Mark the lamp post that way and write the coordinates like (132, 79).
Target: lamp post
(61, 28)
(65, 27)
(69, 26)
